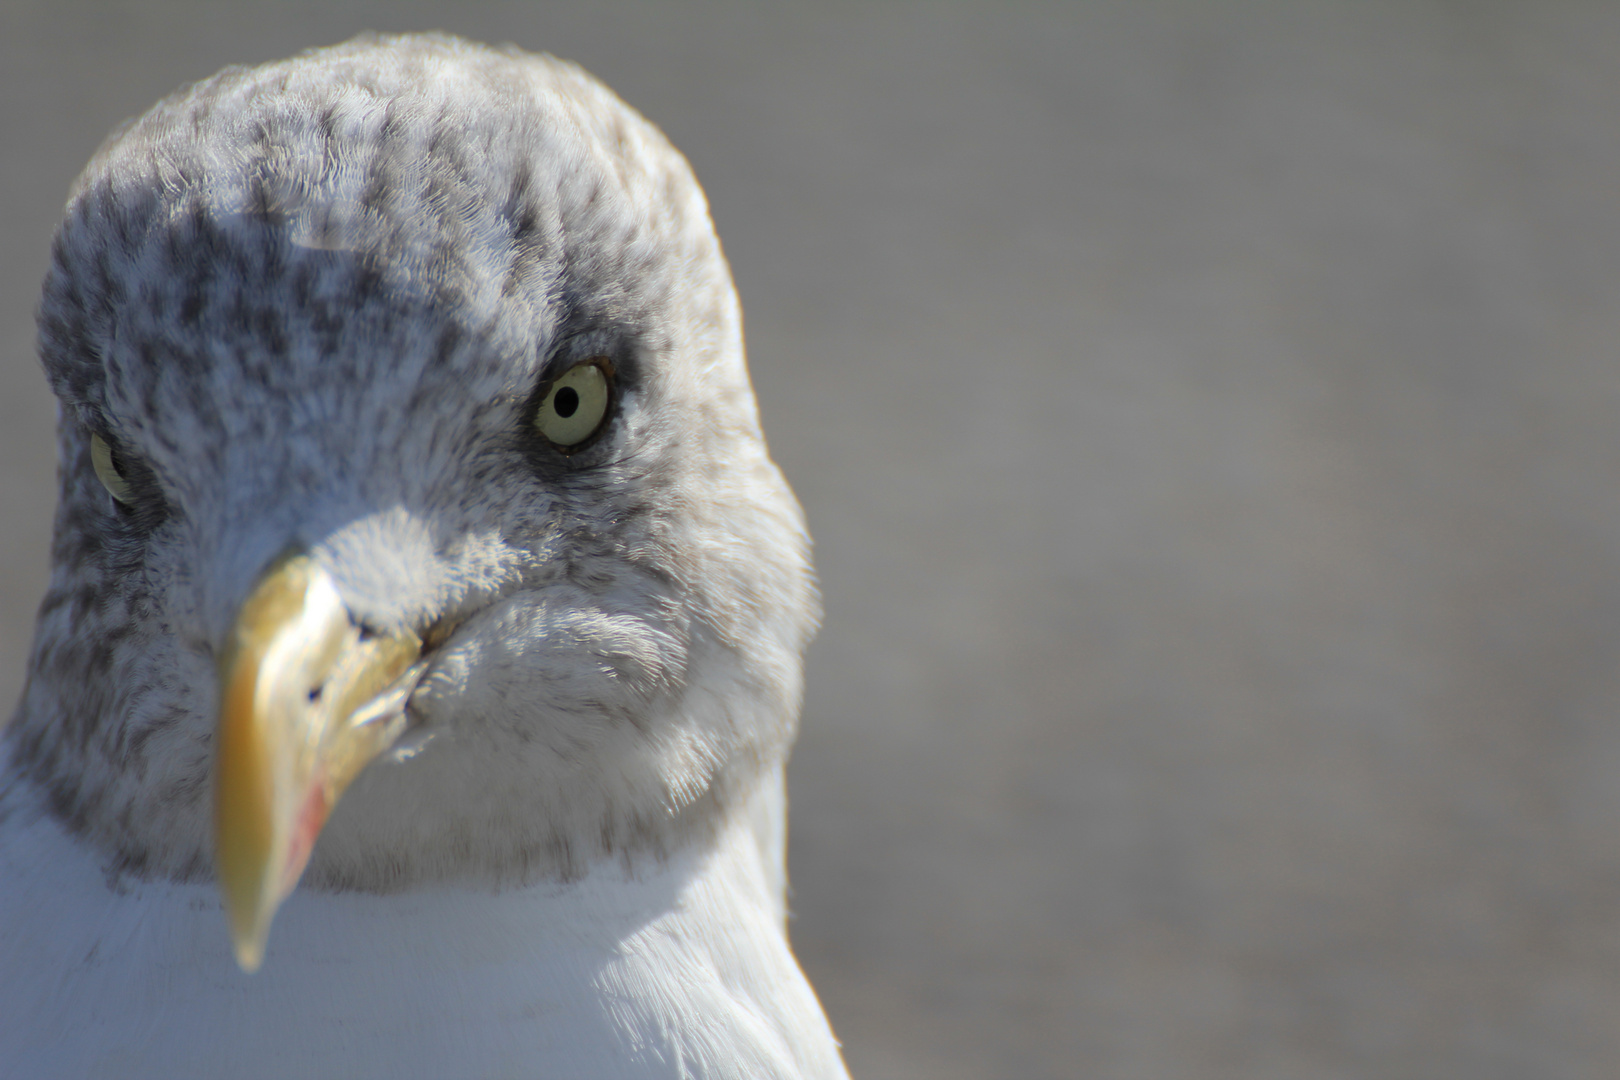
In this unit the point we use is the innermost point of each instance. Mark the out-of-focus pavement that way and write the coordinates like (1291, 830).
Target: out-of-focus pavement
(1207, 414)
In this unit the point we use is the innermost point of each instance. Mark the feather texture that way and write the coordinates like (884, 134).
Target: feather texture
(314, 306)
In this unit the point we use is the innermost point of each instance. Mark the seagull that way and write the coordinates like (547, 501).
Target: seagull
(423, 644)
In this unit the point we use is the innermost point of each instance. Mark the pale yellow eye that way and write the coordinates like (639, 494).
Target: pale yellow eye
(117, 485)
(576, 404)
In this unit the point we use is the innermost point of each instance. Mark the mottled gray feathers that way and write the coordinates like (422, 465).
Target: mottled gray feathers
(309, 305)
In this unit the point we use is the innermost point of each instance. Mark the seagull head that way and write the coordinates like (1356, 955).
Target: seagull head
(415, 520)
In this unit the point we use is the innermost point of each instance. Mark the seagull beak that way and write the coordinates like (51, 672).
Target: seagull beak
(306, 701)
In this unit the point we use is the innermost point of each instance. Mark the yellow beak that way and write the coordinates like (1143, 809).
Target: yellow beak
(306, 702)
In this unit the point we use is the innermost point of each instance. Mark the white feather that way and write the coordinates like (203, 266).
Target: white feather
(683, 971)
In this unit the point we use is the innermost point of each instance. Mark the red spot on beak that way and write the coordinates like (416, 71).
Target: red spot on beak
(311, 818)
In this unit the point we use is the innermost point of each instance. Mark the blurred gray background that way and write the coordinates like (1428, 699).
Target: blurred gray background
(1207, 418)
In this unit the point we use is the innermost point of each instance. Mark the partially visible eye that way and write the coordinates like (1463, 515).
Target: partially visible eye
(108, 472)
(576, 404)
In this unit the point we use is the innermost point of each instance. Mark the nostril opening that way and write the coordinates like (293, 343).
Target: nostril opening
(367, 632)
(315, 694)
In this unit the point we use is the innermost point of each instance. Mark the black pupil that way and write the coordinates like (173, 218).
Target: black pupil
(566, 402)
